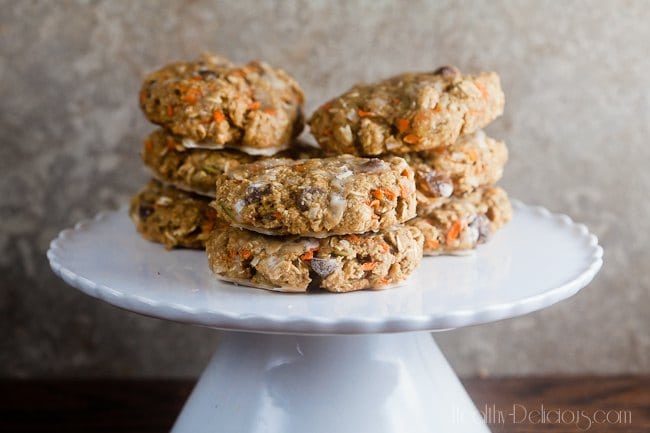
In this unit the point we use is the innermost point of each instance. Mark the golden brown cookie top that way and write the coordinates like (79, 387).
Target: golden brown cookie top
(211, 102)
(410, 112)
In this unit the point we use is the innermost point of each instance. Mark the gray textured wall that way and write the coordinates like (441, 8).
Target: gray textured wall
(577, 122)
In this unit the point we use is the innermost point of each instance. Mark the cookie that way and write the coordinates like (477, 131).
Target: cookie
(472, 162)
(336, 263)
(213, 103)
(172, 217)
(196, 170)
(410, 112)
(462, 223)
(317, 197)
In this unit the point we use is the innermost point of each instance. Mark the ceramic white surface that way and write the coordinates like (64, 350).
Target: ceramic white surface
(376, 383)
(538, 259)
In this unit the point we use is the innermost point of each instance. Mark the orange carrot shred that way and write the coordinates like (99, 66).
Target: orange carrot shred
(436, 108)
(148, 145)
(270, 111)
(421, 116)
(352, 237)
(432, 244)
(385, 247)
(411, 139)
(406, 174)
(245, 254)
(389, 194)
(453, 232)
(218, 116)
(170, 111)
(403, 125)
(277, 215)
(368, 266)
(374, 204)
(377, 193)
(255, 105)
(362, 113)
(309, 254)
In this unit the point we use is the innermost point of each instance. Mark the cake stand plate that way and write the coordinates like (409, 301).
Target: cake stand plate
(321, 362)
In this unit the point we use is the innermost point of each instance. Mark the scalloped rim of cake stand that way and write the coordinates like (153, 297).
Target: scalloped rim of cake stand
(273, 323)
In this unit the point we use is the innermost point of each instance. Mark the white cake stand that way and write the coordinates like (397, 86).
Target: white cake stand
(332, 363)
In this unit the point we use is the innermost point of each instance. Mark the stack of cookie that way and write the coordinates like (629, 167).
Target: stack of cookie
(403, 170)
(330, 223)
(434, 121)
(214, 116)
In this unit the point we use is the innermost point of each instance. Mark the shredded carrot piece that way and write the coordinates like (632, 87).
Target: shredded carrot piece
(196, 78)
(362, 113)
(238, 73)
(170, 111)
(436, 108)
(255, 105)
(277, 215)
(406, 174)
(403, 125)
(380, 193)
(432, 244)
(482, 88)
(245, 254)
(218, 116)
(270, 111)
(389, 194)
(309, 254)
(421, 116)
(352, 237)
(148, 145)
(192, 96)
(300, 168)
(395, 101)
(453, 232)
(385, 247)
(369, 266)
(411, 139)
(374, 217)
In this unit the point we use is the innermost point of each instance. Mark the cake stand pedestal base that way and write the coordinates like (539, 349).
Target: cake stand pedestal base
(376, 383)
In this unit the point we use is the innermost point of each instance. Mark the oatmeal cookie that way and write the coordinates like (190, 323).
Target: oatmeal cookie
(317, 197)
(411, 112)
(172, 217)
(462, 223)
(336, 263)
(196, 170)
(472, 162)
(213, 103)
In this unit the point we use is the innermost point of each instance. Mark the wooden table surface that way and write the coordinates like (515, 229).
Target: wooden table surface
(508, 405)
